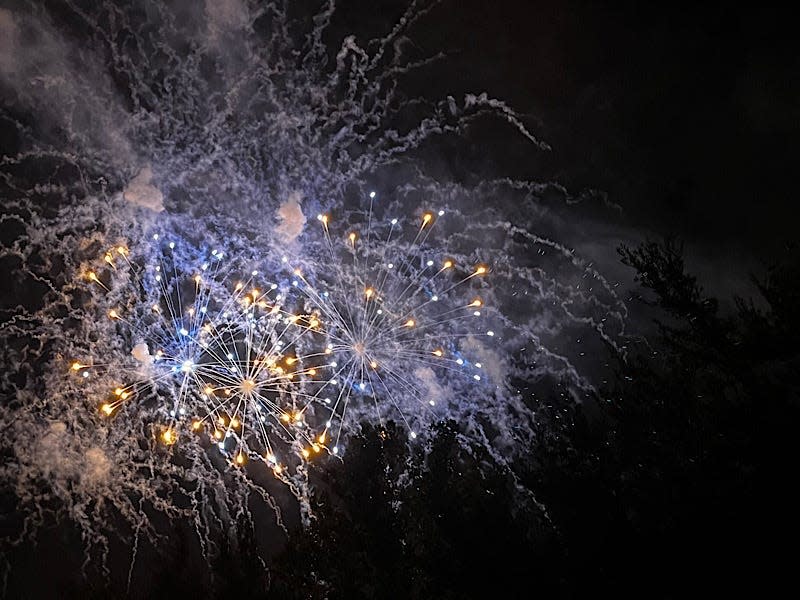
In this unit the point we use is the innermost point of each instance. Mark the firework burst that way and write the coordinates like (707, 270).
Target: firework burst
(133, 365)
(394, 308)
(202, 350)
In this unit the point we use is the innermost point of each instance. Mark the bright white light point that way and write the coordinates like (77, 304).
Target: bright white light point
(490, 333)
(155, 236)
(172, 245)
(413, 435)
(158, 268)
(431, 402)
(429, 263)
(328, 424)
(435, 298)
(230, 356)
(394, 221)
(319, 217)
(214, 252)
(273, 286)
(158, 277)
(203, 309)
(390, 266)
(187, 365)
(284, 259)
(254, 273)
(380, 312)
(182, 411)
(333, 364)
(184, 331)
(477, 313)
(372, 194)
(327, 400)
(441, 212)
(294, 283)
(478, 365)
(362, 385)
(172, 413)
(325, 294)
(476, 377)
(221, 445)
(336, 449)
(460, 361)
(334, 382)
(204, 267)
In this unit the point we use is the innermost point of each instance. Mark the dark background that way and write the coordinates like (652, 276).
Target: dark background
(685, 114)
(687, 117)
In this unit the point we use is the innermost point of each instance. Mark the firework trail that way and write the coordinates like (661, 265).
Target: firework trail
(202, 276)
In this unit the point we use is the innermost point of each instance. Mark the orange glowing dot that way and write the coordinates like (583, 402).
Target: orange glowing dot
(437, 353)
(255, 293)
(373, 364)
(240, 458)
(476, 302)
(197, 279)
(480, 270)
(448, 264)
(92, 276)
(76, 366)
(107, 408)
(298, 417)
(426, 218)
(285, 417)
(369, 292)
(196, 425)
(217, 434)
(113, 314)
(312, 371)
(322, 438)
(305, 452)
(410, 323)
(209, 390)
(315, 447)
(169, 437)
(122, 250)
(235, 422)
(239, 286)
(352, 237)
(277, 469)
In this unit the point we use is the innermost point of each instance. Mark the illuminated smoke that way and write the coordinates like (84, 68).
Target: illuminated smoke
(245, 127)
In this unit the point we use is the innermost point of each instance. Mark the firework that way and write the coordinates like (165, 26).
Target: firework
(393, 308)
(201, 354)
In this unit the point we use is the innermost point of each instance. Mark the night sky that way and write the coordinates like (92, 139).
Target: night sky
(618, 420)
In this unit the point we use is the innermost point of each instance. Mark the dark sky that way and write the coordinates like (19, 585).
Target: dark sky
(687, 115)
